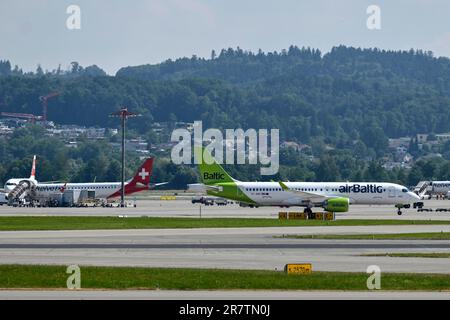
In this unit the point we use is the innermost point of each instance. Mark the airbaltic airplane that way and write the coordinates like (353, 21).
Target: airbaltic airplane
(103, 190)
(331, 196)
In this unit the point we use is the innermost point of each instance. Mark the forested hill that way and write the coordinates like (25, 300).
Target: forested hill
(346, 95)
(242, 67)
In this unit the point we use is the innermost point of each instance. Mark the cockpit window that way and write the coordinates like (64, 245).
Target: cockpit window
(404, 190)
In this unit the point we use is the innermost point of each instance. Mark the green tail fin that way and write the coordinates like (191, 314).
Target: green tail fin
(210, 171)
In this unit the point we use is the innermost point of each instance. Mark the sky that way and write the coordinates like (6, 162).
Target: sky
(118, 33)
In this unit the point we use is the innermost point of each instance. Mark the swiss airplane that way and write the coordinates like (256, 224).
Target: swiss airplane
(103, 190)
(11, 184)
(331, 196)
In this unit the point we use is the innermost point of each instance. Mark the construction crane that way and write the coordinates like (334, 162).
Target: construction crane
(30, 117)
(44, 100)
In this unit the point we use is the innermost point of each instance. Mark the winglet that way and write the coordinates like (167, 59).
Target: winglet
(283, 186)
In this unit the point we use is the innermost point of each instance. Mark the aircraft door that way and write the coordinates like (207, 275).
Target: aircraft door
(391, 192)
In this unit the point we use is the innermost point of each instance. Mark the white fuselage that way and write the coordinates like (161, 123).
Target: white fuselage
(440, 187)
(271, 193)
(102, 189)
(12, 183)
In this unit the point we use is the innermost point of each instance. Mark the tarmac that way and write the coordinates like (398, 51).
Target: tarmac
(184, 208)
(235, 248)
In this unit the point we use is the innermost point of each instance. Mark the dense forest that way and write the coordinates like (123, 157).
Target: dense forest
(349, 100)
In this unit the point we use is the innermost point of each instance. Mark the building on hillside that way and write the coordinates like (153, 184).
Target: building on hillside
(299, 147)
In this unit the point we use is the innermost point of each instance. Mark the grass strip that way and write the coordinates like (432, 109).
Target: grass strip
(121, 278)
(94, 223)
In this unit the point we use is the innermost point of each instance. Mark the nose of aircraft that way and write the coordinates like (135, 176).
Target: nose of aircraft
(413, 196)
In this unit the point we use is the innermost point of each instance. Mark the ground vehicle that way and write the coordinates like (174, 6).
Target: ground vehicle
(197, 199)
(208, 201)
(221, 202)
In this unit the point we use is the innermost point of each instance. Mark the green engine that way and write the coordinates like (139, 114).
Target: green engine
(337, 205)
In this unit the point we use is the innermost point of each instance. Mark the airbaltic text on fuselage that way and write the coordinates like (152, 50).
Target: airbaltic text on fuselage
(357, 188)
(213, 176)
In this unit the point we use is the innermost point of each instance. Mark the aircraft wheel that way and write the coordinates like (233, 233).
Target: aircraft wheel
(399, 212)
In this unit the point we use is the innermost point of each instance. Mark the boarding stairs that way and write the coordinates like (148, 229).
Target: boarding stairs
(18, 191)
(422, 188)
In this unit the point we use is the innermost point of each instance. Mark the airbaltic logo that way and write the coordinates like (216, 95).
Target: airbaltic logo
(213, 176)
(241, 147)
(357, 188)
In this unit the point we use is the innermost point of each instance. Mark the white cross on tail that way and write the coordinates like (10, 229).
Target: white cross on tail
(143, 174)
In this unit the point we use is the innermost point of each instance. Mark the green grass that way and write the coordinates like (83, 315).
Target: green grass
(397, 236)
(54, 277)
(92, 223)
(411, 255)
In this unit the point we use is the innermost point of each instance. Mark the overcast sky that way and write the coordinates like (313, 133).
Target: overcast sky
(117, 33)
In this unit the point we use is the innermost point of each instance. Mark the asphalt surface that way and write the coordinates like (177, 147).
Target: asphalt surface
(220, 295)
(236, 248)
(184, 208)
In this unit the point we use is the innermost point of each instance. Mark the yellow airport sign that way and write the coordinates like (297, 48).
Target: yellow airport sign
(319, 216)
(298, 268)
(168, 198)
(329, 216)
(297, 215)
(282, 215)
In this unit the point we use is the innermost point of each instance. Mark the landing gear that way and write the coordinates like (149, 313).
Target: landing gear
(400, 207)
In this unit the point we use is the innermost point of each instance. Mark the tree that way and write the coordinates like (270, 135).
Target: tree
(5, 68)
(414, 176)
(93, 71)
(113, 172)
(39, 71)
(327, 170)
(75, 67)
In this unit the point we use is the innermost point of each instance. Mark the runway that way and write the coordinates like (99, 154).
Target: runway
(184, 208)
(219, 295)
(235, 248)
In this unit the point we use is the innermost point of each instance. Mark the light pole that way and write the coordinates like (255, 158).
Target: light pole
(124, 114)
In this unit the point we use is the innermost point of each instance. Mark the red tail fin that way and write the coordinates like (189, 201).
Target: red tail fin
(144, 173)
(140, 181)
(33, 168)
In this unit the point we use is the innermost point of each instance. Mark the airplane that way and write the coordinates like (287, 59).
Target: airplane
(331, 196)
(12, 184)
(440, 187)
(103, 190)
